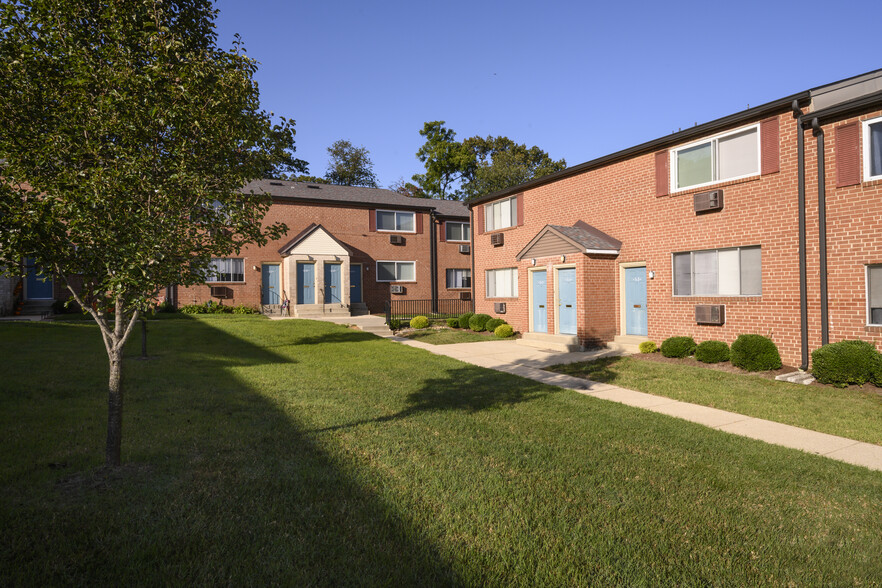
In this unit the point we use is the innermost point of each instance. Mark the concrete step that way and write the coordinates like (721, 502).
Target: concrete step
(627, 343)
(564, 343)
(320, 310)
(797, 377)
(36, 308)
(358, 309)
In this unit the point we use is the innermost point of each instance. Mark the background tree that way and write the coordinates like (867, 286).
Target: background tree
(301, 178)
(407, 189)
(478, 165)
(127, 136)
(350, 166)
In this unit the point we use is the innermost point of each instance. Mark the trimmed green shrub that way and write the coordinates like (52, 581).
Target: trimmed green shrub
(166, 307)
(493, 323)
(503, 331)
(478, 322)
(394, 324)
(453, 323)
(648, 347)
(678, 347)
(847, 362)
(419, 322)
(242, 309)
(712, 352)
(464, 320)
(755, 353)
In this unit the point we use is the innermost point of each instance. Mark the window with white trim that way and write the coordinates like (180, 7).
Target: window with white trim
(502, 283)
(729, 156)
(396, 271)
(226, 269)
(873, 149)
(874, 295)
(718, 272)
(501, 214)
(393, 220)
(459, 278)
(457, 231)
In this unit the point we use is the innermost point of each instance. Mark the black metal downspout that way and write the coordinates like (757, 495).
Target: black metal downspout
(472, 229)
(803, 282)
(822, 231)
(433, 254)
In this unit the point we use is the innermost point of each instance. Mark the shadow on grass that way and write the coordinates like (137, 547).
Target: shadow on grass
(468, 389)
(221, 486)
(599, 370)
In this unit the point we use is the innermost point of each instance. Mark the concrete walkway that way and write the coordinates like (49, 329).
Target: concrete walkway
(510, 357)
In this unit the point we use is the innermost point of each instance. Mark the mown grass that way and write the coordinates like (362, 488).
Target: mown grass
(303, 453)
(449, 336)
(851, 413)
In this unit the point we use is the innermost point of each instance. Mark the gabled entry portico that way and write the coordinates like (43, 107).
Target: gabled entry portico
(317, 273)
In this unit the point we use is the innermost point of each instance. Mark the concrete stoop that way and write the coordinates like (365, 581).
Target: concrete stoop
(320, 310)
(626, 343)
(797, 377)
(563, 343)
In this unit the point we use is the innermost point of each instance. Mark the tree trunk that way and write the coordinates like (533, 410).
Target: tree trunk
(113, 456)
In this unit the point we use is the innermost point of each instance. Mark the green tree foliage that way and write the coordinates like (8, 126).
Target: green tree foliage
(301, 178)
(478, 165)
(350, 166)
(127, 135)
(408, 189)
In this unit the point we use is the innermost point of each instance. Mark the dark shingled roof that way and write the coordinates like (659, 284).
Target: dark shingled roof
(378, 197)
(589, 237)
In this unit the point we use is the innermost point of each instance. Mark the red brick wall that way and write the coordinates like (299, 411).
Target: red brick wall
(349, 225)
(620, 200)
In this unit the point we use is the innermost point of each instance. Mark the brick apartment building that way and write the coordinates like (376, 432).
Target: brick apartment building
(714, 231)
(347, 249)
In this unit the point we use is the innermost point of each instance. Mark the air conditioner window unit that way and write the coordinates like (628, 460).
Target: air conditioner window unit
(499, 307)
(465, 295)
(220, 292)
(396, 289)
(707, 201)
(396, 239)
(465, 249)
(497, 239)
(710, 314)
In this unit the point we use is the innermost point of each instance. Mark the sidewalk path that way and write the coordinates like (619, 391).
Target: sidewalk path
(510, 357)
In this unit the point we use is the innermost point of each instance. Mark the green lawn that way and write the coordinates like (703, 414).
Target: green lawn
(849, 413)
(304, 453)
(448, 336)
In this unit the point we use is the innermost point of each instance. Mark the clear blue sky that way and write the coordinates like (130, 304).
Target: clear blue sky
(578, 80)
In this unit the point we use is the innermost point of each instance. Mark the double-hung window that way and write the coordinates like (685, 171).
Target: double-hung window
(226, 269)
(459, 278)
(718, 272)
(725, 157)
(457, 231)
(874, 295)
(501, 214)
(502, 283)
(873, 149)
(396, 271)
(392, 220)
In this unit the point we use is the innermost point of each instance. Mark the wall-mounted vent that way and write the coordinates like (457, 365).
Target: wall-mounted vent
(465, 249)
(499, 307)
(221, 292)
(707, 201)
(710, 314)
(465, 295)
(396, 289)
(497, 239)
(396, 239)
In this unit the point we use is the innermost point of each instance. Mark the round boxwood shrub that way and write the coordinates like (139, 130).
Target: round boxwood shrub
(712, 352)
(678, 347)
(847, 362)
(755, 353)
(648, 347)
(464, 320)
(419, 322)
(493, 323)
(453, 323)
(478, 322)
(394, 324)
(503, 331)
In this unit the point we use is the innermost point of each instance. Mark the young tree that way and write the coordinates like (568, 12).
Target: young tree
(126, 136)
(350, 166)
(446, 162)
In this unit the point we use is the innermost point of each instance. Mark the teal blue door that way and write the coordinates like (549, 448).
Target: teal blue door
(332, 284)
(37, 289)
(566, 305)
(635, 301)
(355, 283)
(305, 283)
(270, 292)
(540, 301)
